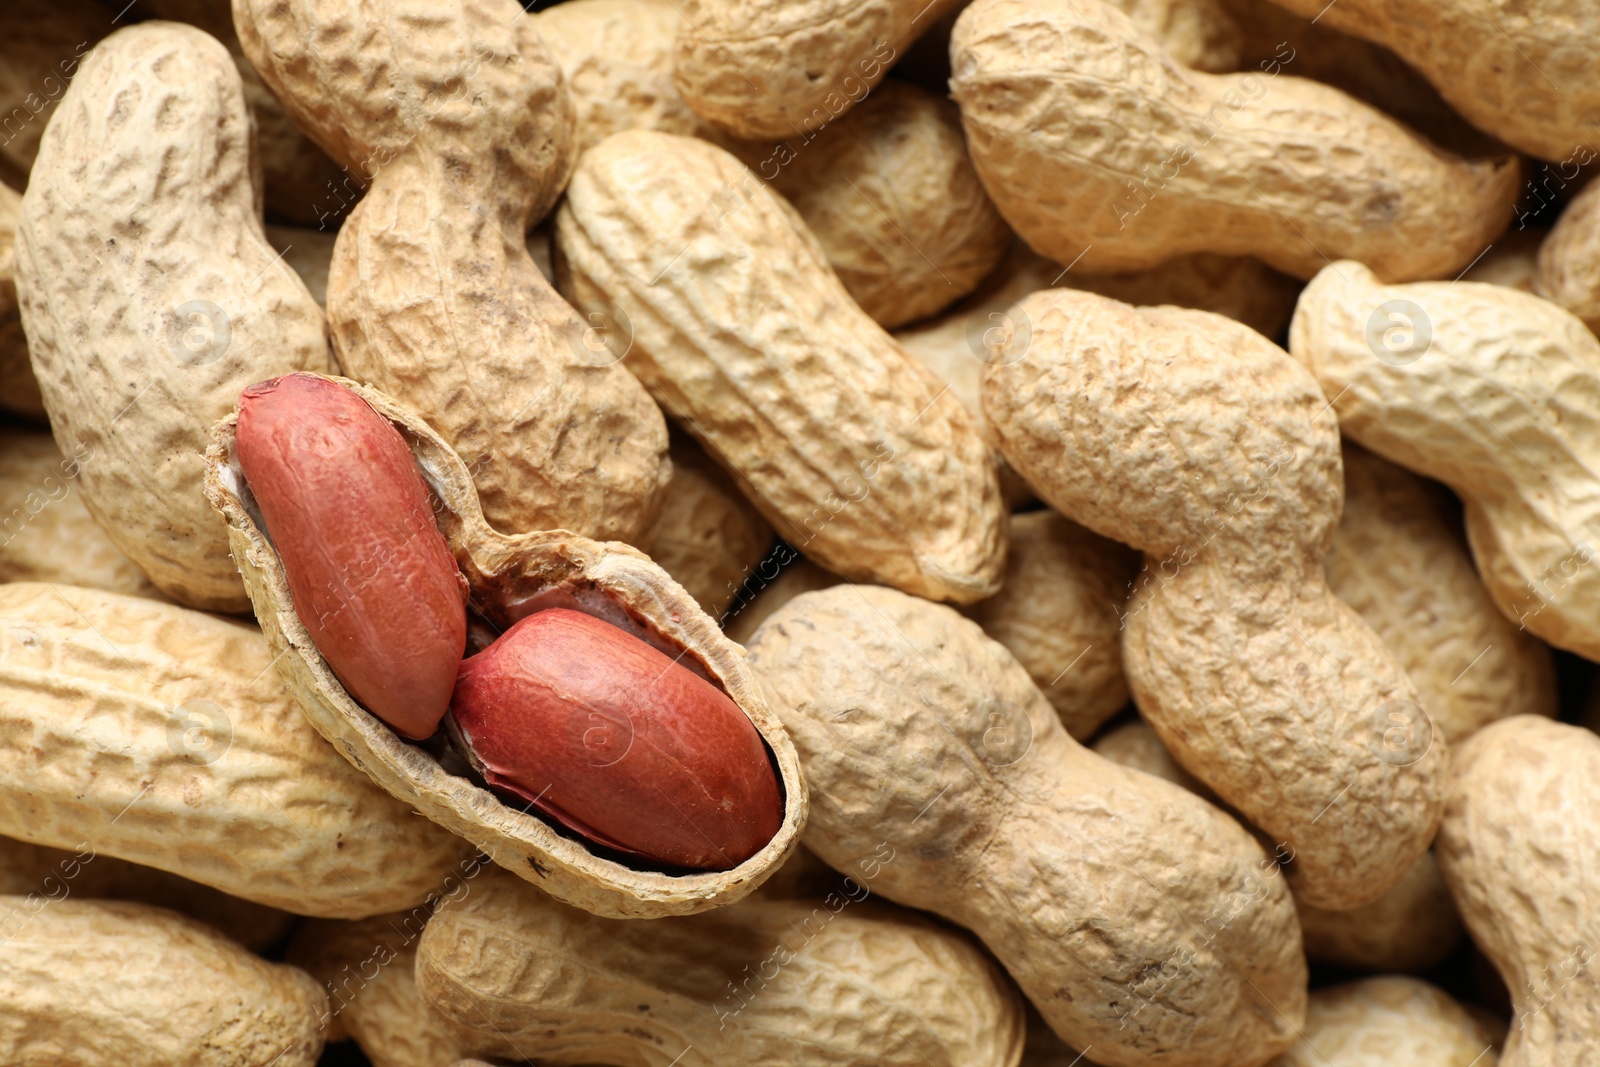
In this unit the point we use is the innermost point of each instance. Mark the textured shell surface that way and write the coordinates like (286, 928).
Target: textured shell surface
(842, 981)
(1262, 683)
(1439, 378)
(1094, 143)
(151, 296)
(849, 446)
(1568, 265)
(1138, 918)
(510, 577)
(96, 982)
(1390, 1021)
(163, 736)
(19, 389)
(1412, 927)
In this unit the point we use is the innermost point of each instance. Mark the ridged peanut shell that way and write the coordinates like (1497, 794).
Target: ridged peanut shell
(1568, 270)
(762, 594)
(709, 536)
(1092, 142)
(1390, 1021)
(839, 982)
(162, 736)
(510, 577)
(849, 446)
(151, 296)
(101, 984)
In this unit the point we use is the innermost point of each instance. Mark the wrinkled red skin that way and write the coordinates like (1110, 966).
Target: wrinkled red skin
(370, 573)
(618, 742)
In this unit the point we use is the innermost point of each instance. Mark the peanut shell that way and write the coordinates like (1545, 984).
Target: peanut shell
(19, 389)
(1390, 1021)
(1568, 269)
(510, 577)
(42, 42)
(709, 535)
(760, 595)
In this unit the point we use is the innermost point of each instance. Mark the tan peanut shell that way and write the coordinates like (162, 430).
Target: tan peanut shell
(709, 536)
(839, 982)
(81, 873)
(1399, 558)
(457, 119)
(510, 577)
(1132, 743)
(42, 43)
(19, 389)
(781, 68)
(1197, 441)
(1518, 70)
(1439, 378)
(102, 984)
(46, 533)
(1390, 1021)
(760, 596)
(1568, 269)
(368, 971)
(1513, 261)
(1517, 847)
(309, 252)
(849, 446)
(151, 296)
(162, 736)
(1139, 919)
(1060, 614)
(1092, 142)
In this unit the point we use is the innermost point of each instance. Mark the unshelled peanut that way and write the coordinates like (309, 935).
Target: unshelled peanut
(709, 536)
(1568, 268)
(1390, 1022)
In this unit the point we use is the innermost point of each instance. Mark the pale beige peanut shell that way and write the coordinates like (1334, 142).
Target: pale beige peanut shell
(780, 68)
(1521, 71)
(851, 448)
(46, 533)
(509, 577)
(1092, 142)
(309, 252)
(458, 117)
(1517, 847)
(1134, 744)
(162, 736)
(1513, 261)
(761, 595)
(1263, 684)
(833, 983)
(1569, 260)
(1390, 1021)
(368, 971)
(42, 43)
(709, 536)
(1060, 614)
(19, 389)
(1139, 919)
(151, 296)
(1400, 559)
(103, 984)
(1439, 378)
(81, 873)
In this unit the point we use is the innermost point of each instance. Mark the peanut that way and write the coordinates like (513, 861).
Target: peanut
(1094, 144)
(1513, 261)
(458, 118)
(1515, 70)
(76, 979)
(1390, 1022)
(597, 730)
(150, 295)
(349, 515)
(760, 597)
(846, 444)
(514, 973)
(709, 535)
(1137, 918)
(1132, 743)
(19, 389)
(1263, 684)
(510, 577)
(1568, 267)
(1516, 848)
(1060, 614)
(125, 719)
(1443, 379)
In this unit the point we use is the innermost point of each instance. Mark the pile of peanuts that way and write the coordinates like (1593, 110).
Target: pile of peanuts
(799, 533)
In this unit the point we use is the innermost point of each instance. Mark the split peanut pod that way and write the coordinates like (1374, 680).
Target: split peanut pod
(509, 579)
(1263, 684)
(836, 982)
(1493, 392)
(160, 735)
(151, 296)
(851, 448)
(456, 118)
(1092, 142)
(1139, 919)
